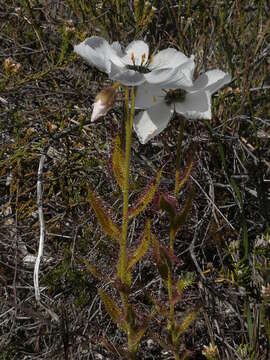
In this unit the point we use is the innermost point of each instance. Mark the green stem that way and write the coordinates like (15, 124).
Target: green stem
(170, 291)
(122, 266)
(123, 256)
(178, 156)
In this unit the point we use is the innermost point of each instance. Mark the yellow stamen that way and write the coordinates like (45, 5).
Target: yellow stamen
(132, 57)
(143, 58)
(155, 99)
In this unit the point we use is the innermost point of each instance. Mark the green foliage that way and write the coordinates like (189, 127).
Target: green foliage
(166, 205)
(106, 223)
(181, 181)
(163, 259)
(177, 330)
(112, 309)
(93, 270)
(181, 217)
(143, 246)
(146, 198)
(185, 281)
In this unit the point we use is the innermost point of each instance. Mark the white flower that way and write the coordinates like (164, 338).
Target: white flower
(132, 66)
(160, 102)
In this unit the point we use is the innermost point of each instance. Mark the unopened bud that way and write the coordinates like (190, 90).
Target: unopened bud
(104, 101)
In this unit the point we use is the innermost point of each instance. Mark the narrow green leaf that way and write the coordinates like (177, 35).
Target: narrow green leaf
(162, 258)
(116, 351)
(137, 335)
(139, 332)
(185, 281)
(180, 181)
(146, 198)
(143, 247)
(166, 205)
(118, 162)
(249, 321)
(181, 217)
(130, 317)
(106, 223)
(93, 270)
(111, 307)
(185, 324)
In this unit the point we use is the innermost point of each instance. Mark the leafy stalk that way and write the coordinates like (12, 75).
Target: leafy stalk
(123, 250)
(123, 259)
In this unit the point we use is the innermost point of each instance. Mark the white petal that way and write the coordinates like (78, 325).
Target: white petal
(140, 50)
(148, 96)
(183, 77)
(93, 50)
(99, 110)
(196, 105)
(168, 58)
(212, 81)
(125, 76)
(117, 47)
(98, 52)
(161, 77)
(150, 123)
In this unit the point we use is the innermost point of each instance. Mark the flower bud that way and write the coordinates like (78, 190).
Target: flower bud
(104, 101)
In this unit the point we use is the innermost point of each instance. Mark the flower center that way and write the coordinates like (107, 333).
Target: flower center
(139, 68)
(173, 96)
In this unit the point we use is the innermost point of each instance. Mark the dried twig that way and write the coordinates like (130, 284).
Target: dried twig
(42, 226)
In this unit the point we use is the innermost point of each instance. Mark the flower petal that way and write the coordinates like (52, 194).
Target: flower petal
(94, 51)
(125, 76)
(183, 77)
(148, 96)
(168, 58)
(161, 77)
(150, 123)
(196, 105)
(173, 78)
(98, 52)
(140, 50)
(116, 46)
(212, 81)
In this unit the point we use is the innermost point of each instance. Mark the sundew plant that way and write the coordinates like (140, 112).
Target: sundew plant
(163, 85)
(135, 170)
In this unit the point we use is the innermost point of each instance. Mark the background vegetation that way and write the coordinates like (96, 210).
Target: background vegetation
(46, 93)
